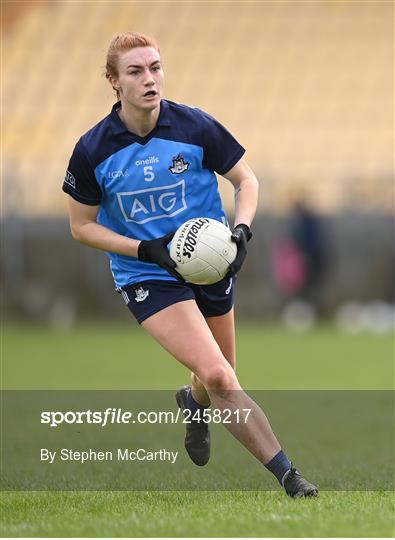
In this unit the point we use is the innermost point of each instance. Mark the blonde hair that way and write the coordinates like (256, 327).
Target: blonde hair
(122, 43)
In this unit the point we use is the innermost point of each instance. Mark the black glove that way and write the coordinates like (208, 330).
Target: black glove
(241, 234)
(156, 252)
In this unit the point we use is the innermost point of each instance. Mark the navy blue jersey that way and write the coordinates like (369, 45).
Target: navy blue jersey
(148, 186)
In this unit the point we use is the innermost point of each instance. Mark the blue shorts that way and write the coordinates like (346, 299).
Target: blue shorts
(148, 297)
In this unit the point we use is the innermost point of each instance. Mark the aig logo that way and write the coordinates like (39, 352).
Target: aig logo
(156, 203)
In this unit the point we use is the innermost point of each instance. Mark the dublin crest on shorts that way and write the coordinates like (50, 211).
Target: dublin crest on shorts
(141, 294)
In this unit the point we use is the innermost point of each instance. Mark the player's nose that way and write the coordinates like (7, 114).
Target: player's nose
(148, 78)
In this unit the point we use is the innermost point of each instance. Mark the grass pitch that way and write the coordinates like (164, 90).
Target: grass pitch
(206, 514)
(125, 357)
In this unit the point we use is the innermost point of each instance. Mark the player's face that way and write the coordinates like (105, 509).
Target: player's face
(140, 78)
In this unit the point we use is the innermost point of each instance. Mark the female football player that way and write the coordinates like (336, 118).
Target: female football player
(133, 179)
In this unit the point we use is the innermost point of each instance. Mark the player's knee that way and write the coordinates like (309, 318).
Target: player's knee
(220, 377)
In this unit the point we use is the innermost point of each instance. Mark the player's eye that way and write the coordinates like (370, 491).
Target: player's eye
(156, 68)
(134, 72)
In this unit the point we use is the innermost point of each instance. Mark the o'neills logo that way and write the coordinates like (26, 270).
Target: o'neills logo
(148, 161)
(187, 239)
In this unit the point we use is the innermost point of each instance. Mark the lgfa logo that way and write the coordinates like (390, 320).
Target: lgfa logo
(119, 174)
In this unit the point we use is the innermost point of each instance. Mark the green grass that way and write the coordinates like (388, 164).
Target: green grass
(207, 514)
(124, 357)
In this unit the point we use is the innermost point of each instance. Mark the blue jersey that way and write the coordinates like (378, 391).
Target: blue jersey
(148, 186)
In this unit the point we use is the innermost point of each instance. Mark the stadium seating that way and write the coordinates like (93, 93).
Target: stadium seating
(305, 86)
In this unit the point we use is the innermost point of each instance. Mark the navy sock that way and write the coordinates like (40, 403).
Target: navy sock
(279, 465)
(193, 405)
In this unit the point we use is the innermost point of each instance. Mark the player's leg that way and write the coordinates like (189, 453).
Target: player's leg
(216, 304)
(168, 311)
(223, 329)
(195, 397)
(182, 330)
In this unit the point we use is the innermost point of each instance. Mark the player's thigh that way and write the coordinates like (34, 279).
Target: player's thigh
(182, 330)
(223, 329)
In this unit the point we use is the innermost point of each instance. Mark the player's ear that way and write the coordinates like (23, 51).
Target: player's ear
(114, 83)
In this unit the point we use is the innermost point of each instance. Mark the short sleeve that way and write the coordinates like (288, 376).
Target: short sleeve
(80, 181)
(221, 150)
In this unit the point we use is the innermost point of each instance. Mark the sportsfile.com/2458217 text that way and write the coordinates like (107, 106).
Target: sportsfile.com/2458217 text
(114, 415)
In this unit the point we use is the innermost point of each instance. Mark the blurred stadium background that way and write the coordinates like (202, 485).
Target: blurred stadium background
(306, 87)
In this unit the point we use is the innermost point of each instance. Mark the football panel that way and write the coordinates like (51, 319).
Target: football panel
(223, 246)
(205, 277)
(213, 258)
(192, 266)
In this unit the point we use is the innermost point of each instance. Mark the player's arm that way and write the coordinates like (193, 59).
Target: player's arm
(85, 229)
(246, 202)
(246, 192)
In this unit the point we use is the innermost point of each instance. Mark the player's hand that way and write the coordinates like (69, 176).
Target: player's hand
(156, 252)
(241, 234)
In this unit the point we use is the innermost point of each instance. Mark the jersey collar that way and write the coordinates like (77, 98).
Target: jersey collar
(119, 127)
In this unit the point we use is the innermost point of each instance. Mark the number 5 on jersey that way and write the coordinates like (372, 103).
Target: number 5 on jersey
(148, 173)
